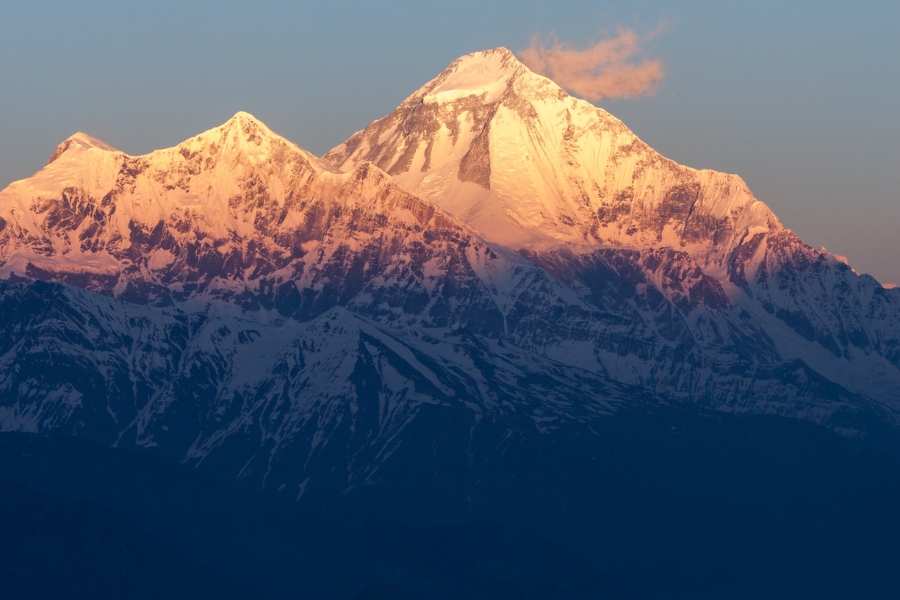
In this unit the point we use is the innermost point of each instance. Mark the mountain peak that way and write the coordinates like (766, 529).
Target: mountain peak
(246, 127)
(488, 73)
(243, 119)
(499, 57)
(80, 140)
(244, 137)
(513, 155)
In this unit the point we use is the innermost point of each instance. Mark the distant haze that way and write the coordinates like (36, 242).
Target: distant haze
(800, 103)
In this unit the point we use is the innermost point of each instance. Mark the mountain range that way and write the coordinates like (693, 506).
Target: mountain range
(483, 278)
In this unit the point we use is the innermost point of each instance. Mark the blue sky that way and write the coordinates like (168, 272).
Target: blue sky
(799, 98)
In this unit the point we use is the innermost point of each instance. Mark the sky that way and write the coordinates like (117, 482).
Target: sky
(800, 98)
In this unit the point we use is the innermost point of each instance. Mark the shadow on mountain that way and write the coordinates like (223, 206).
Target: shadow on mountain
(657, 502)
(52, 549)
(276, 548)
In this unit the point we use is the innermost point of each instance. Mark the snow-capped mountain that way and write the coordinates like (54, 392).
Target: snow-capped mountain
(289, 399)
(493, 258)
(529, 166)
(568, 185)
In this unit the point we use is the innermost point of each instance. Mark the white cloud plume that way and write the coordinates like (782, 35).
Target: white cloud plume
(607, 69)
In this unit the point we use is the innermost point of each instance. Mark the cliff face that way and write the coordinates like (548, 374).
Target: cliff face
(567, 184)
(513, 155)
(494, 255)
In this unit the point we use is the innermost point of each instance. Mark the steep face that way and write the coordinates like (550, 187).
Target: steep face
(816, 307)
(300, 407)
(239, 214)
(265, 251)
(178, 217)
(512, 154)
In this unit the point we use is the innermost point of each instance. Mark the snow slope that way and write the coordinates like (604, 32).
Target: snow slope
(514, 156)
(529, 166)
(494, 254)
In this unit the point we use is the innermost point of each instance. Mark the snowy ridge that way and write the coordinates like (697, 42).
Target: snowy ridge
(510, 153)
(494, 254)
(203, 386)
(198, 188)
(554, 172)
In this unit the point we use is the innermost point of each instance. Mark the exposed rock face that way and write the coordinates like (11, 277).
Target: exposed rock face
(551, 168)
(234, 203)
(562, 173)
(494, 254)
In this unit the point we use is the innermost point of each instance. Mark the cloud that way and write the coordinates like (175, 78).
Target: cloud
(607, 69)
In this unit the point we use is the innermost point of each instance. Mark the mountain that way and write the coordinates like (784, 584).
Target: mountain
(570, 187)
(529, 166)
(496, 302)
(276, 283)
(336, 306)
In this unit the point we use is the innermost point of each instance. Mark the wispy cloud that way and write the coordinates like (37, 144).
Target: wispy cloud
(611, 68)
